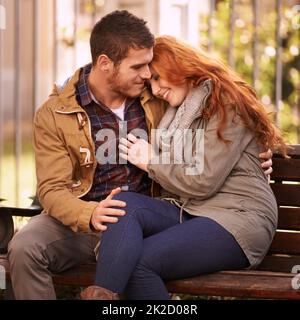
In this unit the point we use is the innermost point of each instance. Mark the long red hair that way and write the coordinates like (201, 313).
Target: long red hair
(179, 63)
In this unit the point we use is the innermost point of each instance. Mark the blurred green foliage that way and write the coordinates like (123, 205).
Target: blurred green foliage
(289, 108)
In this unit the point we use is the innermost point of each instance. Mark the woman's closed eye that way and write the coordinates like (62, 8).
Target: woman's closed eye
(155, 77)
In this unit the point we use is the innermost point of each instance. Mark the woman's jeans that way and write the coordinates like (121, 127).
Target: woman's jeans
(149, 245)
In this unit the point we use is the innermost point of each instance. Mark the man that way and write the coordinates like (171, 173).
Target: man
(75, 187)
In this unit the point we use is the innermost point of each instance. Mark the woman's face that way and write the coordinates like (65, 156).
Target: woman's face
(163, 89)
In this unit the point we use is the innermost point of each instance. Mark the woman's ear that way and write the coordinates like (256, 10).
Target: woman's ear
(104, 63)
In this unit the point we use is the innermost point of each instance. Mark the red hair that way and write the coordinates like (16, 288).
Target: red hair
(179, 63)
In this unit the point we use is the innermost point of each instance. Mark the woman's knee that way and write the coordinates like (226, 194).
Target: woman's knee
(132, 199)
(135, 204)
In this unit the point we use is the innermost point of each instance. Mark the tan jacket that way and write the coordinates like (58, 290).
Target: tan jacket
(65, 154)
(232, 189)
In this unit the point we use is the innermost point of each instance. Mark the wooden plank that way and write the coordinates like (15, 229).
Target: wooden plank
(293, 151)
(254, 284)
(279, 263)
(251, 284)
(286, 194)
(286, 169)
(84, 274)
(289, 218)
(22, 212)
(244, 283)
(286, 242)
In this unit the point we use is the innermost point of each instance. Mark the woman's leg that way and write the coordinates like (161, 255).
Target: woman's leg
(199, 245)
(122, 242)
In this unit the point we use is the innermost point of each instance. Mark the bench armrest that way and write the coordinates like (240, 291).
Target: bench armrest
(7, 223)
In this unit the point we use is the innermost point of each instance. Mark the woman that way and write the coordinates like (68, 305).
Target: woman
(217, 211)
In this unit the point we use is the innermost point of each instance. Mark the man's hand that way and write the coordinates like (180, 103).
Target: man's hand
(137, 151)
(105, 214)
(267, 164)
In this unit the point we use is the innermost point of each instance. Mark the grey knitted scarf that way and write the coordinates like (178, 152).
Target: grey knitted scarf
(178, 119)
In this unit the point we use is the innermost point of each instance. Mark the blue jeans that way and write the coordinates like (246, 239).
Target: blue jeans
(148, 245)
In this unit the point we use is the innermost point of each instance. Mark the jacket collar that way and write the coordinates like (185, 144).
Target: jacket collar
(67, 94)
(146, 95)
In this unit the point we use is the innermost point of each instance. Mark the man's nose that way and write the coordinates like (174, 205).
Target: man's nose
(146, 74)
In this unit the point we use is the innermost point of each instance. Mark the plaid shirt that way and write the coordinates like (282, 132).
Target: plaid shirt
(111, 175)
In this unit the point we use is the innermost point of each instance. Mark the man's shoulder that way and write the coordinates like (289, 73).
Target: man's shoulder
(50, 105)
(62, 95)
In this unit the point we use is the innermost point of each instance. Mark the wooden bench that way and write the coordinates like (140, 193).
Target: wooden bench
(273, 279)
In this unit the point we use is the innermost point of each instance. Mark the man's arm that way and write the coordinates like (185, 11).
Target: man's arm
(55, 175)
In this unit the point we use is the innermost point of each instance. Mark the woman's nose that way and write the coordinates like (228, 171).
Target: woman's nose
(155, 88)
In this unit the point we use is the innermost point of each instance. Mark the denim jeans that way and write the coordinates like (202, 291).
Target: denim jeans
(149, 245)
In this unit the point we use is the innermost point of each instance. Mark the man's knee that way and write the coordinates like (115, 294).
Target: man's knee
(24, 248)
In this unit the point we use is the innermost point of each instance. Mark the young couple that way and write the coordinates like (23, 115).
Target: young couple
(214, 212)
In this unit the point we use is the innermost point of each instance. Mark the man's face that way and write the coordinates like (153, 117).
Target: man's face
(128, 78)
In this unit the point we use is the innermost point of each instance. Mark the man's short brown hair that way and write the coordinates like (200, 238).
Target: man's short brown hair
(116, 33)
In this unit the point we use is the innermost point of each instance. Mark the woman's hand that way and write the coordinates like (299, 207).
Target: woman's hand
(267, 164)
(137, 151)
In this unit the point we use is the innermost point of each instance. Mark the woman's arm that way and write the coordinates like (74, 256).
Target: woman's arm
(211, 167)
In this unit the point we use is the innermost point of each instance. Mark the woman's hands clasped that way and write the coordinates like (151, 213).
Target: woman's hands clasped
(135, 150)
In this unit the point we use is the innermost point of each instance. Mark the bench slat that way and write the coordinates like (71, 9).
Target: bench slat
(293, 150)
(286, 242)
(21, 212)
(286, 169)
(251, 284)
(279, 263)
(289, 218)
(254, 284)
(286, 194)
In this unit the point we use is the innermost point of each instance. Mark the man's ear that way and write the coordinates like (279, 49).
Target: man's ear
(104, 63)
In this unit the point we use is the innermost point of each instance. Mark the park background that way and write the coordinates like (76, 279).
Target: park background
(43, 41)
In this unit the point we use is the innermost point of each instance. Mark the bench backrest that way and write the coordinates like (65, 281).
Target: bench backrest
(284, 252)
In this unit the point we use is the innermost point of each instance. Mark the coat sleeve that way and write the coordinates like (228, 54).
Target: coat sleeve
(213, 165)
(54, 175)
